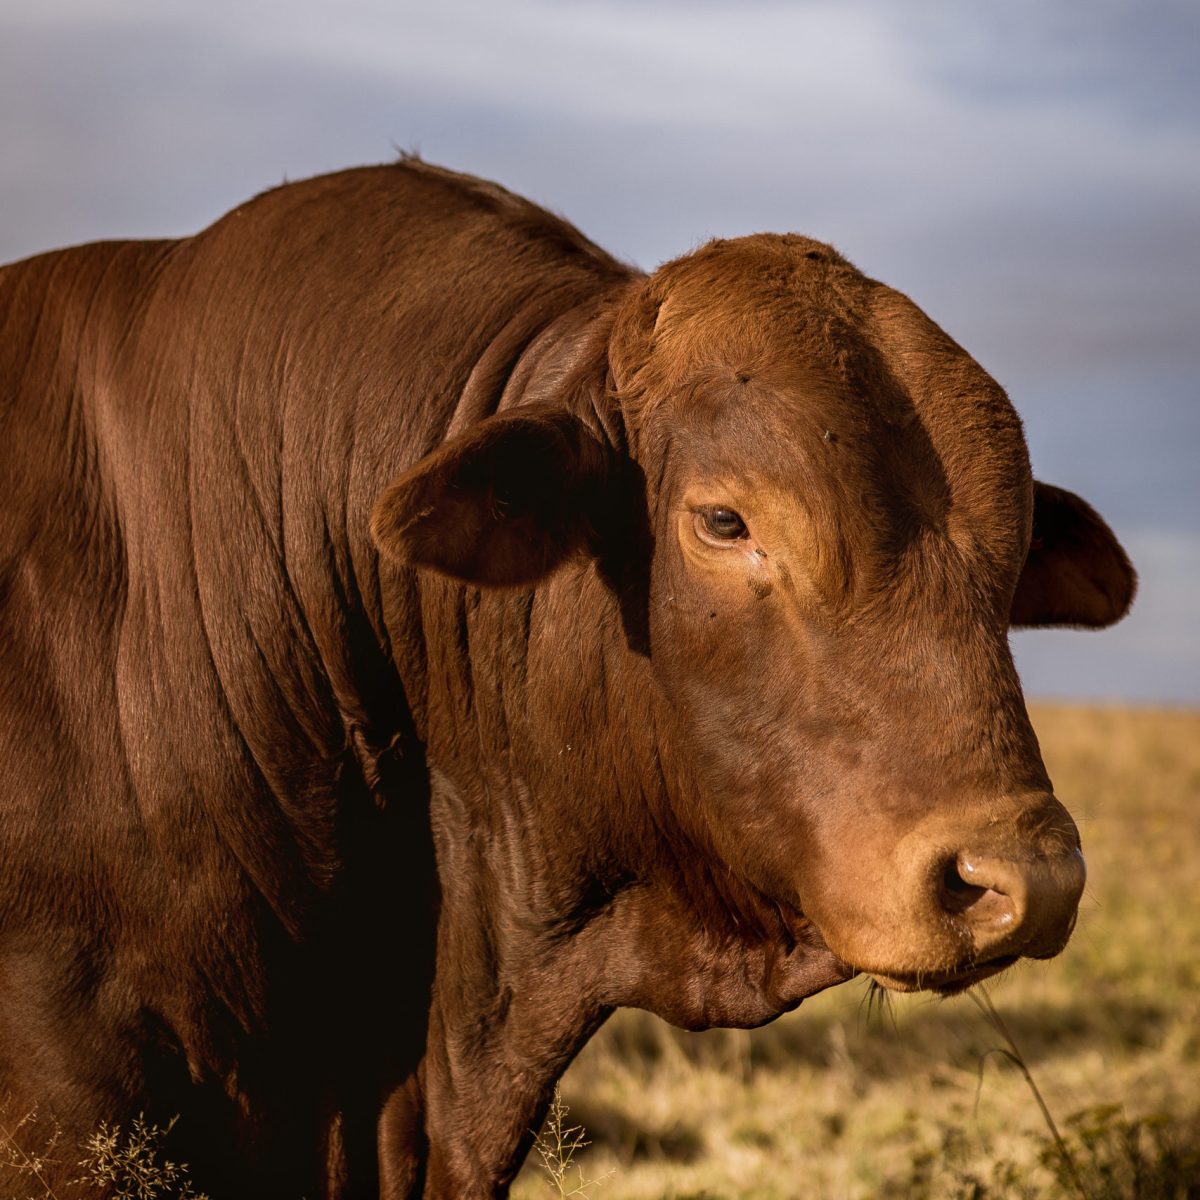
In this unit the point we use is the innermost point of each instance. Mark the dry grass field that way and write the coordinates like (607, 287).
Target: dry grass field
(842, 1099)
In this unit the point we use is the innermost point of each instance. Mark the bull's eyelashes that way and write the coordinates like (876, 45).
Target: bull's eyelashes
(718, 526)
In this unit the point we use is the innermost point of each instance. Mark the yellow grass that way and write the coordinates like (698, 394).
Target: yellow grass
(836, 1101)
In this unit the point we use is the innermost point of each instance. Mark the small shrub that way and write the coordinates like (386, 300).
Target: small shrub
(129, 1167)
(557, 1145)
(19, 1160)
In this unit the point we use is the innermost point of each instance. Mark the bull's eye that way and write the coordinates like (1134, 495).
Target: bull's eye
(720, 525)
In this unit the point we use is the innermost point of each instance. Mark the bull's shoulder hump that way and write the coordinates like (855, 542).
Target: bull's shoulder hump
(410, 205)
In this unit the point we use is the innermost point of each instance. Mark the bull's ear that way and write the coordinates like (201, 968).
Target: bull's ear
(1076, 572)
(501, 504)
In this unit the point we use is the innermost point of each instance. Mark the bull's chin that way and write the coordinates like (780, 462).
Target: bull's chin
(944, 983)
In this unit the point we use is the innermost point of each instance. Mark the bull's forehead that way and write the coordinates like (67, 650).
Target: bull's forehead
(780, 368)
(738, 299)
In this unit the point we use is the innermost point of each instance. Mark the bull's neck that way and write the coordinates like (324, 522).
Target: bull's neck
(530, 721)
(567, 885)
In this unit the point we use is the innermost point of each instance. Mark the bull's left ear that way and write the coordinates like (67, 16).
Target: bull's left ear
(501, 504)
(1076, 572)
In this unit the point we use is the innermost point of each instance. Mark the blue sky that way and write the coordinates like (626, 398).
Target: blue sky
(1028, 172)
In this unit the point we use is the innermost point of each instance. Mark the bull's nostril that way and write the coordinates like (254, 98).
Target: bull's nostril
(957, 893)
(976, 902)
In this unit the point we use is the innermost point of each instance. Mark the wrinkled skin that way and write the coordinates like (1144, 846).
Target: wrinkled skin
(430, 635)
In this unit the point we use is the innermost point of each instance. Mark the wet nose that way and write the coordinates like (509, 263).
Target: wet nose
(1010, 906)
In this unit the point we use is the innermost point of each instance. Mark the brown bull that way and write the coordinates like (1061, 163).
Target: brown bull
(423, 634)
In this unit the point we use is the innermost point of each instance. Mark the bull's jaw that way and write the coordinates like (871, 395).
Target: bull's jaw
(810, 968)
(663, 957)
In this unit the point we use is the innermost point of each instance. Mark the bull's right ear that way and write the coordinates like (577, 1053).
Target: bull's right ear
(501, 504)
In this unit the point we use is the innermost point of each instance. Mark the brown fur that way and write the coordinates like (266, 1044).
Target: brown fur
(341, 856)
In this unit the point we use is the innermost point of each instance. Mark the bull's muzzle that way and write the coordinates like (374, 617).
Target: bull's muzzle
(958, 901)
